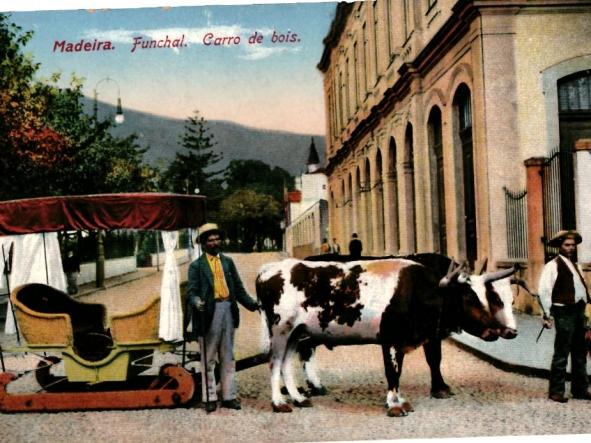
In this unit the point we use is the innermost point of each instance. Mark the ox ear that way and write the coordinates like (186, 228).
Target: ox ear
(464, 276)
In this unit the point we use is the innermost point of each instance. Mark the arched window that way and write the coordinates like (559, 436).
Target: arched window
(379, 196)
(574, 105)
(437, 179)
(409, 179)
(367, 208)
(393, 203)
(463, 111)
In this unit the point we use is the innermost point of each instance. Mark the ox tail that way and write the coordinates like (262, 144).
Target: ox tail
(265, 327)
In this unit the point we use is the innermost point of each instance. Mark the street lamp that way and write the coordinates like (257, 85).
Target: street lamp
(119, 117)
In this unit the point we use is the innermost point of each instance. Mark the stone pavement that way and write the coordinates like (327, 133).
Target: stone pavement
(522, 354)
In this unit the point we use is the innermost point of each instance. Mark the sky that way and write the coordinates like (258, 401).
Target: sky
(263, 85)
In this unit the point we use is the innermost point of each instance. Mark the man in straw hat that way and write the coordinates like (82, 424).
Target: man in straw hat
(563, 293)
(214, 288)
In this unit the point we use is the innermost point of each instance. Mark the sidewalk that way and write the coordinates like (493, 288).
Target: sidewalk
(522, 354)
(90, 287)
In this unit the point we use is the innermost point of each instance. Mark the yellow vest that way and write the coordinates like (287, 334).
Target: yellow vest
(220, 288)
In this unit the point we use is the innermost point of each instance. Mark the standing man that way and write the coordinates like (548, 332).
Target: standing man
(564, 294)
(325, 247)
(214, 288)
(355, 247)
(335, 247)
(72, 269)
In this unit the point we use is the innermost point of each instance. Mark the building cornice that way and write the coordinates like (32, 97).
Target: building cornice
(334, 34)
(454, 29)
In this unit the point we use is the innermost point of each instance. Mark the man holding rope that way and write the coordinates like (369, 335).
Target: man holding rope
(214, 288)
(564, 294)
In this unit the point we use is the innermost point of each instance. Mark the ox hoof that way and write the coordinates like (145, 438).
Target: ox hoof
(303, 404)
(442, 393)
(301, 390)
(407, 407)
(316, 392)
(397, 411)
(281, 407)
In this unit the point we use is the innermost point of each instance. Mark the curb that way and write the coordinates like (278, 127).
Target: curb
(113, 284)
(507, 366)
(504, 365)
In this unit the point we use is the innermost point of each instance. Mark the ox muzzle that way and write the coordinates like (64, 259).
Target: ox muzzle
(492, 334)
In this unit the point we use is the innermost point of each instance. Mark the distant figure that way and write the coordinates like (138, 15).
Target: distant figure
(355, 247)
(564, 294)
(335, 248)
(325, 247)
(72, 269)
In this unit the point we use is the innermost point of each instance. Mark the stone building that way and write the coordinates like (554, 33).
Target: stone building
(307, 210)
(440, 113)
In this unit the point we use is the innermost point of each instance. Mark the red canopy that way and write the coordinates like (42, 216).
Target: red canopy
(103, 211)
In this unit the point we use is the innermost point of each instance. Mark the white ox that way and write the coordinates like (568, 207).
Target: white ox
(395, 303)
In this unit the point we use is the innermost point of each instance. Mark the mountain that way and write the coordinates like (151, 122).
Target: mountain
(236, 142)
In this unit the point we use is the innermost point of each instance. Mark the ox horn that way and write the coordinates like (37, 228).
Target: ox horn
(498, 275)
(451, 273)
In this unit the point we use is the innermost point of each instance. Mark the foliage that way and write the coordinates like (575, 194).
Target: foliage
(30, 147)
(258, 176)
(50, 146)
(268, 184)
(250, 217)
(192, 170)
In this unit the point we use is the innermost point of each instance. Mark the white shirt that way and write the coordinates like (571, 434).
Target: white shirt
(548, 278)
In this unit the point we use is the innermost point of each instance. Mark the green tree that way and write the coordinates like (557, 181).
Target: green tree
(258, 176)
(192, 169)
(250, 217)
(32, 151)
(50, 146)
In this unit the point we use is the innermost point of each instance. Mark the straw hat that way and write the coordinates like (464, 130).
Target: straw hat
(557, 240)
(208, 228)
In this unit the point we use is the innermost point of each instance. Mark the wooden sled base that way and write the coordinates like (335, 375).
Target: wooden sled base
(173, 387)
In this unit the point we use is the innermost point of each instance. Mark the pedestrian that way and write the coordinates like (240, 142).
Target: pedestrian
(325, 247)
(213, 290)
(355, 247)
(335, 248)
(71, 267)
(564, 294)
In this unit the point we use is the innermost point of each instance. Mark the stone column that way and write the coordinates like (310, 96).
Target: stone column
(390, 240)
(535, 224)
(582, 193)
(407, 241)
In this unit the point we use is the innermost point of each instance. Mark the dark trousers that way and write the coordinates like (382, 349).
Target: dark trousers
(570, 339)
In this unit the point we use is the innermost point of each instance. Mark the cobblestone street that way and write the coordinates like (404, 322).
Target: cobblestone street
(488, 401)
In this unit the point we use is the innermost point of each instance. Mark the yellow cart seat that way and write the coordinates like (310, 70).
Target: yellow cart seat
(48, 317)
(137, 327)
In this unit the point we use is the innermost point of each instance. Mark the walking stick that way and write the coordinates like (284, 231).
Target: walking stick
(204, 358)
(7, 271)
(522, 283)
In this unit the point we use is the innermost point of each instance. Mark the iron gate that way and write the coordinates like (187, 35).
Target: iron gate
(554, 178)
(516, 219)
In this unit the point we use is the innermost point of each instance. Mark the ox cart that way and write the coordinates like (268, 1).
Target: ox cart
(103, 354)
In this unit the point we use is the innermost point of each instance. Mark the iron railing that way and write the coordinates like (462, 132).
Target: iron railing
(516, 219)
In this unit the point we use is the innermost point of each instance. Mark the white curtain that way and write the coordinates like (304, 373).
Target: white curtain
(29, 266)
(171, 313)
(5, 243)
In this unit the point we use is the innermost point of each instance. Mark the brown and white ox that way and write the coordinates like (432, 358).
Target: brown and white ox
(396, 303)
